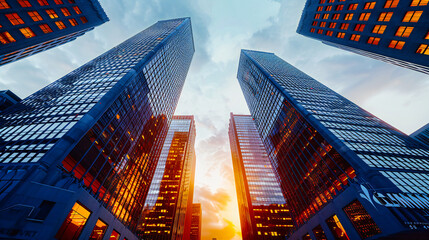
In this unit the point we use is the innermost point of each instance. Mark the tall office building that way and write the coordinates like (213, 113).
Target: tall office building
(345, 173)
(7, 99)
(78, 156)
(32, 26)
(168, 212)
(389, 30)
(262, 207)
(196, 225)
(422, 134)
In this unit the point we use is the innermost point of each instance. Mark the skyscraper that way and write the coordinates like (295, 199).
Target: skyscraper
(7, 99)
(389, 30)
(262, 207)
(345, 173)
(422, 134)
(168, 213)
(30, 26)
(78, 156)
(197, 215)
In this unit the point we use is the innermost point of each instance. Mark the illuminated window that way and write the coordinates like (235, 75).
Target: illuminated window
(14, 18)
(361, 220)
(412, 16)
(73, 22)
(359, 27)
(6, 38)
(314, 23)
(396, 44)
(355, 37)
(332, 25)
(379, 29)
(353, 6)
(114, 236)
(415, 3)
(328, 8)
(98, 231)
(348, 16)
(319, 233)
(27, 32)
(339, 7)
(24, 3)
(312, 30)
(341, 35)
(329, 33)
(321, 1)
(65, 11)
(320, 9)
(391, 3)
(320, 31)
(404, 31)
(83, 19)
(385, 16)
(52, 14)
(326, 16)
(423, 49)
(364, 16)
(45, 28)
(74, 223)
(373, 40)
(427, 36)
(336, 16)
(60, 25)
(344, 26)
(336, 228)
(3, 4)
(331, 1)
(35, 16)
(58, 2)
(43, 2)
(369, 5)
(317, 16)
(77, 10)
(323, 24)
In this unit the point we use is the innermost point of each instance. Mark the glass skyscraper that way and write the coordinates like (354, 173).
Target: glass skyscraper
(422, 134)
(345, 173)
(7, 99)
(196, 221)
(262, 207)
(78, 156)
(168, 211)
(389, 30)
(32, 26)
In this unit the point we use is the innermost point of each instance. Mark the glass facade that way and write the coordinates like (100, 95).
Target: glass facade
(168, 211)
(422, 134)
(35, 26)
(103, 124)
(320, 144)
(196, 221)
(74, 223)
(391, 31)
(262, 207)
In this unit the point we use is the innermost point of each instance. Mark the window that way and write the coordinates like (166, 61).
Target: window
(339, 7)
(35, 16)
(412, 16)
(74, 223)
(415, 3)
(320, 31)
(321, 1)
(77, 10)
(73, 22)
(60, 25)
(423, 49)
(14, 18)
(312, 30)
(27, 32)
(391, 3)
(114, 236)
(24, 3)
(98, 231)
(379, 29)
(317, 16)
(320, 8)
(396, 44)
(336, 228)
(323, 24)
(427, 36)
(359, 27)
(369, 5)
(332, 25)
(404, 31)
(385, 16)
(328, 8)
(361, 220)
(336, 16)
(6, 38)
(83, 19)
(314, 23)
(326, 16)
(344, 26)
(341, 35)
(3, 4)
(353, 6)
(58, 2)
(43, 2)
(65, 11)
(45, 28)
(319, 233)
(329, 33)
(355, 37)
(364, 16)
(373, 40)
(52, 14)
(348, 16)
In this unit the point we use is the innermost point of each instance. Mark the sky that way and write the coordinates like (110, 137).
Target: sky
(221, 29)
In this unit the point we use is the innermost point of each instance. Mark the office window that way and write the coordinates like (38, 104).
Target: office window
(24, 3)
(320, 8)
(385, 16)
(369, 5)
(45, 28)
(391, 3)
(339, 7)
(306, 237)
(77, 10)
(361, 220)
(340, 35)
(416, 3)
(3, 4)
(332, 25)
(353, 6)
(396, 44)
(336, 16)
(326, 16)
(412, 16)
(355, 37)
(344, 26)
(6, 38)
(73, 22)
(328, 8)
(373, 40)
(423, 49)
(323, 24)
(98, 231)
(312, 30)
(35, 16)
(359, 27)
(379, 29)
(43, 2)
(27, 32)
(52, 14)
(114, 236)
(321, 1)
(320, 31)
(314, 23)
(83, 19)
(331, 1)
(329, 33)
(65, 12)
(60, 25)
(364, 16)
(58, 2)
(14, 18)
(74, 223)
(336, 228)
(348, 16)
(319, 233)
(317, 16)
(427, 36)
(404, 31)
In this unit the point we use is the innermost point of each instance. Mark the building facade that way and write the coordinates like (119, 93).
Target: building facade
(77, 157)
(422, 134)
(32, 26)
(262, 207)
(168, 212)
(196, 223)
(7, 99)
(345, 173)
(389, 30)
